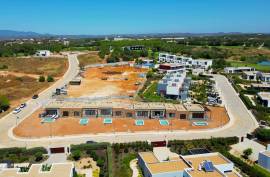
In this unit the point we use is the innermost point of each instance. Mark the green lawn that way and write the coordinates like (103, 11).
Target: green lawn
(151, 95)
(254, 65)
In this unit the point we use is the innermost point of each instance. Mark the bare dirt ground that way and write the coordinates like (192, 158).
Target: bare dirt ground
(32, 127)
(108, 81)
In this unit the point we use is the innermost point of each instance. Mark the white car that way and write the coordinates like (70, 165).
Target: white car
(17, 110)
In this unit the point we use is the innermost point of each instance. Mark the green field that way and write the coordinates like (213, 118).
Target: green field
(254, 65)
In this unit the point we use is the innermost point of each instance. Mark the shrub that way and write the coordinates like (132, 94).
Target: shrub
(263, 134)
(50, 79)
(38, 156)
(76, 155)
(4, 103)
(247, 152)
(41, 79)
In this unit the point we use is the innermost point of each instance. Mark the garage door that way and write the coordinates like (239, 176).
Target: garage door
(158, 143)
(57, 150)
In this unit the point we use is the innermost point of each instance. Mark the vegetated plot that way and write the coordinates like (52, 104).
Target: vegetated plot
(108, 81)
(41, 66)
(89, 58)
(16, 88)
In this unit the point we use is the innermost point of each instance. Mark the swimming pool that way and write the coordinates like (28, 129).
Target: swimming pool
(264, 63)
(202, 123)
(107, 120)
(164, 122)
(139, 122)
(84, 121)
(47, 120)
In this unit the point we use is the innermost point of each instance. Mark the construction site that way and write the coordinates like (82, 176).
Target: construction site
(108, 81)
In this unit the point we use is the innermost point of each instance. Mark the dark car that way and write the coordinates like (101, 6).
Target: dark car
(23, 105)
(34, 96)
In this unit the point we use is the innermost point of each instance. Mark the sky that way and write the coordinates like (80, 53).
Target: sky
(101, 17)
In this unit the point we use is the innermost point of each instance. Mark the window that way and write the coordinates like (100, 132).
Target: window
(171, 115)
(118, 113)
(182, 116)
(142, 113)
(129, 114)
(90, 112)
(65, 114)
(197, 115)
(106, 112)
(76, 113)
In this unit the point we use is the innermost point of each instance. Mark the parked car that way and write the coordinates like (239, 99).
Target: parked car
(34, 96)
(16, 110)
(23, 105)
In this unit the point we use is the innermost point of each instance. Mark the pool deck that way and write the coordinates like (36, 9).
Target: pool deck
(32, 127)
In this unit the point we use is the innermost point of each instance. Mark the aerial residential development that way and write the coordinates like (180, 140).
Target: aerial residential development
(135, 89)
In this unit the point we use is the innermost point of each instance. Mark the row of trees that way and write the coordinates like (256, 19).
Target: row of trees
(49, 79)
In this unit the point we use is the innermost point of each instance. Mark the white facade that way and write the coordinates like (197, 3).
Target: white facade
(43, 53)
(186, 61)
(265, 77)
(232, 70)
(264, 98)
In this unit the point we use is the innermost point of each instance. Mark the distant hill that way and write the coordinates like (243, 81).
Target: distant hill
(9, 34)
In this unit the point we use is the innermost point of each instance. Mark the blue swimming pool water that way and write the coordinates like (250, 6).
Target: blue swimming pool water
(83, 121)
(264, 63)
(107, 121)
(47, 120)
(200, 123)
(163, 122)
(139, 122)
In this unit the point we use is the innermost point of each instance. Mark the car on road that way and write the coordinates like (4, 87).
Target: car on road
(16, 110)
(23, 105)
(34, 96)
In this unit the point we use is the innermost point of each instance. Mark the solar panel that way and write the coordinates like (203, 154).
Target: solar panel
(208, 166)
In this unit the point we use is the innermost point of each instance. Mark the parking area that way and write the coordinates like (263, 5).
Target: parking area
(32, 127)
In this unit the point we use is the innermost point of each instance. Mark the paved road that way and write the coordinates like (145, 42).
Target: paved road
(242, 122)
(10, 120)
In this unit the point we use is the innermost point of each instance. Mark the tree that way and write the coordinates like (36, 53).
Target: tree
(50, 79)
(247, 152)
(41, 79)
(4, 103)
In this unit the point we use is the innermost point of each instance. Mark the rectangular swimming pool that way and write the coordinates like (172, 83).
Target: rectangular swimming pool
(139, 122)
(164, 122)
(107, 120)
(201, 123)
(84, 121)
(47, 120)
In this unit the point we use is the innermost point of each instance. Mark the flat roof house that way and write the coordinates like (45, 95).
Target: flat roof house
(264, 98)
(264, 158)
(232, 70)
(202, 63)
(57, 170)
(250, 75)
(201, 165)
(265, 77)
(43, 53)
(171, 68)
(122, 109)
